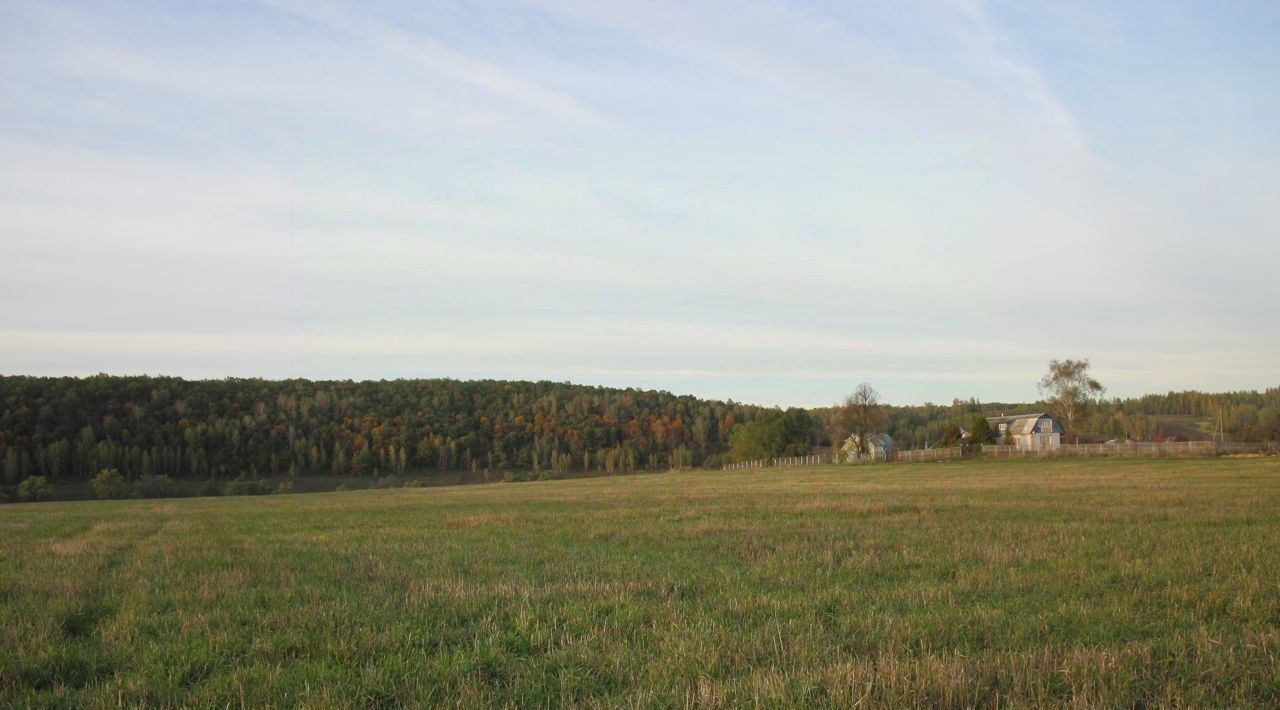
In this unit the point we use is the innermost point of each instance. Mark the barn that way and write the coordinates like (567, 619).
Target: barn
(1027, 431)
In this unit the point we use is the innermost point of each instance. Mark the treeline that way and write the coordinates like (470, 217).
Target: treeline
(1244, 416)
(72, 428)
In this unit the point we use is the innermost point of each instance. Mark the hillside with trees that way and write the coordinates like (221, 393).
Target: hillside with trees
(69, 428)
(73, 428)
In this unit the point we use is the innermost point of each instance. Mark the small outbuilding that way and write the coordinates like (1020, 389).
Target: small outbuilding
(879, 446)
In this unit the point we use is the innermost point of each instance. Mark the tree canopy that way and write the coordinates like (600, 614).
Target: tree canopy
(859, 415)
(775, 433)
(74, 428)
(1069, 390)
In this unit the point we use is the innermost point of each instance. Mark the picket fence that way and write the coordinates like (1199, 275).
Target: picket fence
(781, 461)
(938, 454)
(1133, 448)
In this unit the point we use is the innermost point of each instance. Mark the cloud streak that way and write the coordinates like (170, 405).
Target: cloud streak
(768, 201)
(441, 60)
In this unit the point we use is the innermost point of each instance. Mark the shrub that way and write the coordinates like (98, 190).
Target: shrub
(109, 484)
(211, 488)
(153, 487)
(285, 487)
(414, 483)
(35, 488)
(241, 487)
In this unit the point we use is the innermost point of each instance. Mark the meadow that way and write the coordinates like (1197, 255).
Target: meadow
(1088, 583)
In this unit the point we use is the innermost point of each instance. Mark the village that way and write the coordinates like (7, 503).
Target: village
(1030, 435)
(1031, 432)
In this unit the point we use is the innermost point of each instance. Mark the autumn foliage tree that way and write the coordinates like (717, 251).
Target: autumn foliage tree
(1069, 390)
(68, 428)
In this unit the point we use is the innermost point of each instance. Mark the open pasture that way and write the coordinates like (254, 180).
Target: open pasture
(1065, 582)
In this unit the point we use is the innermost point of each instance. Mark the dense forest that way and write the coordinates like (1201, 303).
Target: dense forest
(71, 428)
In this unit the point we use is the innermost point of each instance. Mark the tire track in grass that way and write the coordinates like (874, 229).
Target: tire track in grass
(79, 658)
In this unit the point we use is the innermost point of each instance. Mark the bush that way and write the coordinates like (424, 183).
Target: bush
(241, 487)
(211, 488)
(285, 487)
(35, 488)
(414, 483)
(153, 487)
(110, 484)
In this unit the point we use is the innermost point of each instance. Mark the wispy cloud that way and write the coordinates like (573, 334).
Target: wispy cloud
(435, 57)
(764, 201)
(999, 51)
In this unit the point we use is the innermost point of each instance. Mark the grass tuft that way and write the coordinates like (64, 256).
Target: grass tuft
(1026, 583)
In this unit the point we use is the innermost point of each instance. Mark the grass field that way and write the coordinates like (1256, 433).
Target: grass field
(1072, 582)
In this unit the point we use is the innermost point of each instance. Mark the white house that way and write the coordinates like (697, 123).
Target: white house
(878, 447)
(1027, 431)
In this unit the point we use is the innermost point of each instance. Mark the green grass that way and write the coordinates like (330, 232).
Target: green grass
(1065, 582)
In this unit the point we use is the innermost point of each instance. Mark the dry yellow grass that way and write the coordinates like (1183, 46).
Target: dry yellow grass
(1064, 583)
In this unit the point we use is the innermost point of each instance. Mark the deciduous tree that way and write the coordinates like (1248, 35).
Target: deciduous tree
(980, 431)
(860, 414)
(1070, 391)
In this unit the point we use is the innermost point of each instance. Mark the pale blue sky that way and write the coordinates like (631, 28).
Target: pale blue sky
(764, 201)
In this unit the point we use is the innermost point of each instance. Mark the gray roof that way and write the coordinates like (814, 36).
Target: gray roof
(883, 441)
(1018, 423)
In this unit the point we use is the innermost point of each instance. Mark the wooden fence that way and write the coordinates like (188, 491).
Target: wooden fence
(938, 454)
(781, 462)
(1255, 447)
(1132, 448)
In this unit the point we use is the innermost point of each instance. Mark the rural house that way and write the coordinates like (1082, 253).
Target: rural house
(878, 447)
(1027, 431)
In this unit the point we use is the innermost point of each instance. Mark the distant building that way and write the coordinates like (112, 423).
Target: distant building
(1027, 431)
(878, 447)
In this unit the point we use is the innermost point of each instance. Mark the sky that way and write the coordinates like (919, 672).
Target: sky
(766, 201)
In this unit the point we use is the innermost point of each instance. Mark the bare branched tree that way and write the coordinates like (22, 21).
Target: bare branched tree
(859, 414)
